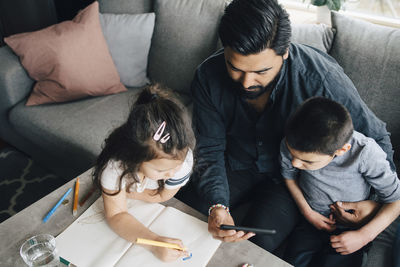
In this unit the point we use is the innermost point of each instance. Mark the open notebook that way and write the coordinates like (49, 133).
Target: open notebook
(89, 241)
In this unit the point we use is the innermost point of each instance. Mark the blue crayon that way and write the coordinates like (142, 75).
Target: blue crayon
(188, 257)
(45, 219)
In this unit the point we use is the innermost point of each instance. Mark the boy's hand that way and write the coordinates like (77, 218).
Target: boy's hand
(169, 254)
(348, 242)
(220, 216)
(319, 221)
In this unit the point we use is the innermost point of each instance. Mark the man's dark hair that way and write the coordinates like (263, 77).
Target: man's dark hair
(251, 26)
(319, 125)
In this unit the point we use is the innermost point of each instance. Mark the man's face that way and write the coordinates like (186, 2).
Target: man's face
(253, 72)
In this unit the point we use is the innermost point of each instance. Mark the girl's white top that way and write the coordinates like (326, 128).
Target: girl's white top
(111, 174)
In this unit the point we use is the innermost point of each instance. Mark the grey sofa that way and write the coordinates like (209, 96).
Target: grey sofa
(67, 137)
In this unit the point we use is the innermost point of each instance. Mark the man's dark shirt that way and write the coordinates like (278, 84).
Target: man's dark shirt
(226, 125)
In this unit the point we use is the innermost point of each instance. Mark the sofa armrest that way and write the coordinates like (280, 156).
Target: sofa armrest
(15, 84)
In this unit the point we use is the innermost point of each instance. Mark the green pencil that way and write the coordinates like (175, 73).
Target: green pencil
(64, 261)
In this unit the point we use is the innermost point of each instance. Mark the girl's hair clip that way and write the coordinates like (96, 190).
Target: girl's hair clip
(159, 132)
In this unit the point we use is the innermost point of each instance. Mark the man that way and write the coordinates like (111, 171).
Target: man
(243, 95)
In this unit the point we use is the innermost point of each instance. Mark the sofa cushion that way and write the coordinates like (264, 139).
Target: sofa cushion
(69, 60)
(125, 6)
(316, 35)
(128, 38)
(76, 130)
(185, 34)
(370, 56)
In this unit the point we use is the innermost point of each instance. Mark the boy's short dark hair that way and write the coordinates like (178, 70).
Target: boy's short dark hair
(319, 125)
(251, 26)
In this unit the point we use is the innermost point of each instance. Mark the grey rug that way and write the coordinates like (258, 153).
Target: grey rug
(22, 182)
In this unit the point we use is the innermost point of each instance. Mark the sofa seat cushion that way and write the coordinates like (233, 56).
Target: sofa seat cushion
(76, 130)
(370, 56)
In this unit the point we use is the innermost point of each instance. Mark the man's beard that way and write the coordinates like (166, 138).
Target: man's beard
(249, 95)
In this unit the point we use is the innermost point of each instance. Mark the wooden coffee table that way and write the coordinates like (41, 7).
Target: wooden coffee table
(28, 222)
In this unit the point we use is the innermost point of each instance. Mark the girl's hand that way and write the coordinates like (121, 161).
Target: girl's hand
(319, 221)
(169, 254)
(220, 216)
(348, 242)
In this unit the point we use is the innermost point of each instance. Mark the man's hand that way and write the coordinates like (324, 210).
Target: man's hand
(220, 216)
(319, 221)
(354, 213)
(348, 242)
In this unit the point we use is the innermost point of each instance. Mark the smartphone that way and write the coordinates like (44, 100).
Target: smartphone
(247, 229)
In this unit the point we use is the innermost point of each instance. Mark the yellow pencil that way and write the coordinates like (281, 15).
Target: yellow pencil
(75, 209)
(159, 244)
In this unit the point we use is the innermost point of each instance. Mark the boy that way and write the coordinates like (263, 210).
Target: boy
(323, 160)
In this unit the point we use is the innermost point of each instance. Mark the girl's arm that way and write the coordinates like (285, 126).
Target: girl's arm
(124, 224)
(152, 195)
(319, 221)
(129, 228)
(351, 241)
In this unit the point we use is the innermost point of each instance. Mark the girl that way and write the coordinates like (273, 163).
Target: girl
(148, 158)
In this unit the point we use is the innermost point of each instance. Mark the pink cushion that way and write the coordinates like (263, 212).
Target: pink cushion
(69, 60)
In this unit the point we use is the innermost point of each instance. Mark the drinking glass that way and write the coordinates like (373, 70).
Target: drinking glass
(40, 250)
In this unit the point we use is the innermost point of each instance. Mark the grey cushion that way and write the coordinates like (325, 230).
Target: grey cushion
(128, 38)
(316, 35)
(125, 6)
(184, 35)
(370, 56)
(75, 130)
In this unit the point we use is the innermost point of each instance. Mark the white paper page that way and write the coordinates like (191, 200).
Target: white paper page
(89, 241)
(176, 224)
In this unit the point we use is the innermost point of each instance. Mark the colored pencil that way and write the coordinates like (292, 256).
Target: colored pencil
(56, 206)
(86, 197)
(159, 244)
(75, 208)
(64, 261)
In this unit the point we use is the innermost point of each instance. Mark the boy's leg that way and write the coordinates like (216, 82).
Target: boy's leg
(381, 253)
(354, 259)
(331, 258)
(305, 245)
(396, 246)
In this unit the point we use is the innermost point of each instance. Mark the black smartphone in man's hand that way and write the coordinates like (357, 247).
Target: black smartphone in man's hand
(248, 229)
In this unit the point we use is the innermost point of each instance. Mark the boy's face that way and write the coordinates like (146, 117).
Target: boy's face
(309, 160)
